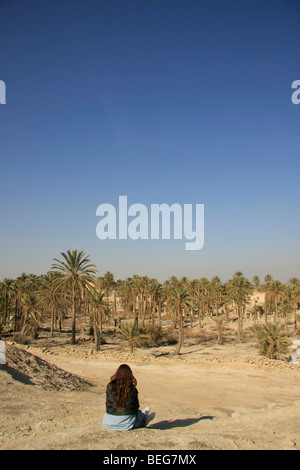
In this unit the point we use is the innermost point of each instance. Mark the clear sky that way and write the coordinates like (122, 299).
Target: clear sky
(163, 101)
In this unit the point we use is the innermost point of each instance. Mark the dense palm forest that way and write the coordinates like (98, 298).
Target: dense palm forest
(72, 288)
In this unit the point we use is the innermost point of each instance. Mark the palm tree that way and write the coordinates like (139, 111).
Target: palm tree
(107, 283)
(31, 318)
(160, 295)
(167, 288)
(203, 289)
(208, 302)
(256, 282)
(180, 299)
(77, 273)
(265, 289)
(193, 287)
(268, 278)
(134, 285)
(227, 303)
(294, 294)
(286, 309)
(130, 333)
(272, 340)
(239, 290)
(217, 292)
(101, 306)
(155, 292)
(51, 297)
(8, 290)
(21, 284)
(144, 283)
(276, 291)
(220, 323)
(133, 293)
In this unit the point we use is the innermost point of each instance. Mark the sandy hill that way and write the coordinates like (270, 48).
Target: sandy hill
(32, 370)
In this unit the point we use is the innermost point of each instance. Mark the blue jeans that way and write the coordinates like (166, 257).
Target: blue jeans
(140, 420)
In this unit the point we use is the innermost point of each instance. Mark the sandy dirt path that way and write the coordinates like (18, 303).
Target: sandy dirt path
(198, 406)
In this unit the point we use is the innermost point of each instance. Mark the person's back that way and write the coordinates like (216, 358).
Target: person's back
(122, 403)
(130, 406)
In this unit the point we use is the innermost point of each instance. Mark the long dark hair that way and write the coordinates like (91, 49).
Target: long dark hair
(121, 383)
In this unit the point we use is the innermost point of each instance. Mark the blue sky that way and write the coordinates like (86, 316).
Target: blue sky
(162, 101)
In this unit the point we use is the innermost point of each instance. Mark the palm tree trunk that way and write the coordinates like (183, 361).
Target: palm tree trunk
(180, 337)
(100, 321)
(16, 313)
(52, 321)
(73, 313)
(115, 304)
(143, 312)
(295, 319)
(154, 308)
(239, 322)
(96, 331)
(243, 308)
(200, 315)
(191, 317)
(159, 313)
(276, 309)
(266, 309)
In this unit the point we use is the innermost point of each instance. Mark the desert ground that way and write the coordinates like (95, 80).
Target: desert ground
(210, 397)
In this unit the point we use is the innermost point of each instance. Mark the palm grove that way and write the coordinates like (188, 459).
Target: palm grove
(73, 288)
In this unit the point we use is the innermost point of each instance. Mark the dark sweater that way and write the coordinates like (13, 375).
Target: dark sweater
(131, 405)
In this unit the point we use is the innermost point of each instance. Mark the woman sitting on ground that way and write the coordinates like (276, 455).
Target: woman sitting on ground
(122, 403)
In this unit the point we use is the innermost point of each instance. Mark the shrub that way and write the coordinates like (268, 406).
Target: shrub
(154, 336)
(272, 340)
(150, 336)
(21, 339)
(130, 332)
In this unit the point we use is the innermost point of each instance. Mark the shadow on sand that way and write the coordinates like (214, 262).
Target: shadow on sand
(178, 423)
(17, 375)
